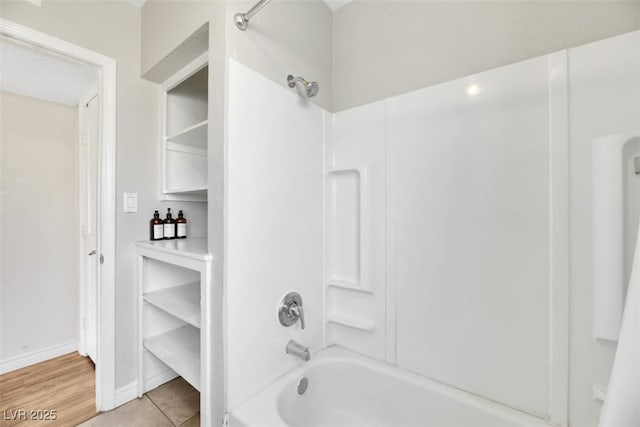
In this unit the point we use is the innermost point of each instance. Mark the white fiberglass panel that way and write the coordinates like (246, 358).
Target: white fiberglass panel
(355, 203)
(469, 168)
(604, 100)
(274, 227)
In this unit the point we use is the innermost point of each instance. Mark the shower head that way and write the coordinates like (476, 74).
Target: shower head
(310, 88)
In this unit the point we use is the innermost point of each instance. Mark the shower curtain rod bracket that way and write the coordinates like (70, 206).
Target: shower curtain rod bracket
(241, 22)
(242, 19)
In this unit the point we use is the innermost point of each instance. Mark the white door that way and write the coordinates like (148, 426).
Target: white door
(89, 257)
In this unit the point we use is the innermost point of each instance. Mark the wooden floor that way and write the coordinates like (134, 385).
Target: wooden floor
(65, 385)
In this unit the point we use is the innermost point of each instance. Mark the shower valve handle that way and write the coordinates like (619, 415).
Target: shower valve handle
(296, 310)
(290, 310)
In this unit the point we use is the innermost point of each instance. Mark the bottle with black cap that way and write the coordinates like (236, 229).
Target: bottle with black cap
(156, 227)
(169, 226)
(181, 226)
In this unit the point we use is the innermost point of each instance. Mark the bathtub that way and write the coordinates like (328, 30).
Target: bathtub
(348, 390)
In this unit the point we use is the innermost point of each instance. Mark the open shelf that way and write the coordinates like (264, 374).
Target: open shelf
(196, 191)
(186, 168)
(194, 136)
(186, 149)
(185, 133)
(190, 196)
(181, 301)
(180, 350)
(191, 247)
(187, 101)
(351, 322)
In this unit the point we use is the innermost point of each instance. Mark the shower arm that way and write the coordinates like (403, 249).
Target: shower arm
(242, 19)
(291, 81)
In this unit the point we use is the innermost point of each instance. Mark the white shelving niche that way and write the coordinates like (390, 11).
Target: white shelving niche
(185, 132)
(174, 279)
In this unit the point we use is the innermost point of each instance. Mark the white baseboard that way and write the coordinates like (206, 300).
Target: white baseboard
(126, 393)
(129, 392)
(37, 356)
(158, 379)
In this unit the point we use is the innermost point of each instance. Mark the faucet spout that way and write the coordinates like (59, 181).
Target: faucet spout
(298, 350)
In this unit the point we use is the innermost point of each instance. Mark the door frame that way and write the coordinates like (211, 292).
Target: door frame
(82, 249)
(105, 354)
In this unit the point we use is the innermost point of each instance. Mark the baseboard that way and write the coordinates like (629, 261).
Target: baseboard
(129, 392)
(158, 379)
(126, 393)
(37, 356)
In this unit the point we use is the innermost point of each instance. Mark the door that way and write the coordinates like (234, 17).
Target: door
(89, 255)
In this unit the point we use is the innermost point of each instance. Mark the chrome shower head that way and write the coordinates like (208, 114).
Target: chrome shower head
(310, 88)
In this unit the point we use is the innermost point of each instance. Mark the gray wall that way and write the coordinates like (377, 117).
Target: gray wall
(39, 222)
(384, 48)
(112, 28)
(166, 24)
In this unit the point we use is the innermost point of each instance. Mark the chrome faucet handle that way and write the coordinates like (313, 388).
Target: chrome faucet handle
(290, 310)
(297, 311)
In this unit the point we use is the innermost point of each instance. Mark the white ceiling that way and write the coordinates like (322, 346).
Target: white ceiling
(31, 71)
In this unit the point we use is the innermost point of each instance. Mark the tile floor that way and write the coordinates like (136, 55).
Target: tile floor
(175, 403)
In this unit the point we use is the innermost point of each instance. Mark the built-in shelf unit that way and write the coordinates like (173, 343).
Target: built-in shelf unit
(173, 338)
(179, 309)
(184, 132)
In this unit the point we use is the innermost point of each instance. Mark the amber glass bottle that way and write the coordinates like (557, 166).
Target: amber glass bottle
(169, 226)
(181, 226)
(156, 227)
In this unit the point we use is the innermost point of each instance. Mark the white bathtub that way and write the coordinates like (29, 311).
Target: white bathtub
(347, 390)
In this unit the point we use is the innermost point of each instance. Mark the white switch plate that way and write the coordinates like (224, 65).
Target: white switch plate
(130, 202)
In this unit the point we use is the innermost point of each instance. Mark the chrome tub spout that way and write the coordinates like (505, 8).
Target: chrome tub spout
(298, 350)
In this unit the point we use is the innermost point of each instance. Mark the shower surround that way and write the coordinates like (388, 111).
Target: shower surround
(445, 250)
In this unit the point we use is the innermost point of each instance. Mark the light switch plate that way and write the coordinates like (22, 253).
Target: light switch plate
(130, 204)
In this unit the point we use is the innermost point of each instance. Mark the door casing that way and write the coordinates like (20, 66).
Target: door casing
(105, 351)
